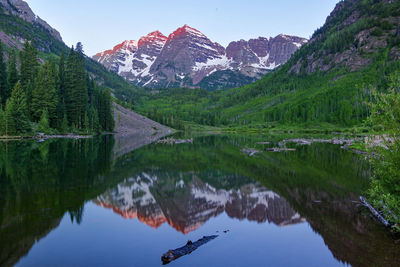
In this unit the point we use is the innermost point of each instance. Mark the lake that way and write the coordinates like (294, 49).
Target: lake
(101, 202)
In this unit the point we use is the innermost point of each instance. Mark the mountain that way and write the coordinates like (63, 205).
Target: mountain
(18, 24)
(187, 58)
(187, 206)
(327, 82)
(22, 10)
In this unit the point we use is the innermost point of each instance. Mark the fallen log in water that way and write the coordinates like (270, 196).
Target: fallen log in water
(172, 255)
(172, 141)
(250, 151)
(375, 212)
(278, 149)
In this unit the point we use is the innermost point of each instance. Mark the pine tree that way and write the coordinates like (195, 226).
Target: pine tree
(109, 121)
(76, 89)
(29, 68)
(79, 48)
(2, 122)
(3, 77)
(9, 125)
(64, 124)
(12, 73)
(61, 92)
(86, 121)
(94, 125)
(44, 96)
(38, 92)
(43, 125)
(105, 113)
(70, 85)
(16, 112)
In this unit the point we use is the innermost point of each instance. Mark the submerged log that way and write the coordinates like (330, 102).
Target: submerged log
(172, 141)
(278, 149)
(375, 212)
(172, 255)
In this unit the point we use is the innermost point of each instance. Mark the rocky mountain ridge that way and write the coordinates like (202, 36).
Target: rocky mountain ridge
(351, 34)
(187, 56)
(22, 10)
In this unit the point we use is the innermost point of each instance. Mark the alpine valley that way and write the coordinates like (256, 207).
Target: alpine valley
(278, 151)
(187, 58)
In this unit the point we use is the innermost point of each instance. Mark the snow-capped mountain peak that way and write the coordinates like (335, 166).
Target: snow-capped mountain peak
(186, 57)
(153, 37)
(186, 30)
(130, 45)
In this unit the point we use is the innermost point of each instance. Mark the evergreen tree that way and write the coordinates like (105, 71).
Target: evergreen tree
(12, 73)
(43, 125)
(9, 125)
(44, 96)
(105, 113)
(64, 124)
(87, 126)
(61, 92)
(76, 89)
(3, 77)
(16, 112)
(2, 122)
(79, 48)
(29, 68)
(94, 121)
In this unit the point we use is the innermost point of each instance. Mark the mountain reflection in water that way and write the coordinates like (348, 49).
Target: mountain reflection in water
(190, 204)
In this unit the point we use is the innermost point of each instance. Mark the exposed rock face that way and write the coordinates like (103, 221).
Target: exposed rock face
(357, 53)
(22, 10)
(186, 54)
(187, 206)
(255, 57)
(187, 57)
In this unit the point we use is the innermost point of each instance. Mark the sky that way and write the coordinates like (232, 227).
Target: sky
(102, 24)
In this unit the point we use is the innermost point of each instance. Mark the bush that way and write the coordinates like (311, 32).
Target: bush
(384, 192)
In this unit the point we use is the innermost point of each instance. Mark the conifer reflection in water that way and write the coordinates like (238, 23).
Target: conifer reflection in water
(40, 182)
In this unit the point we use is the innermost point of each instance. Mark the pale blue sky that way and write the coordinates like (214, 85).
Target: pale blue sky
(101, 24)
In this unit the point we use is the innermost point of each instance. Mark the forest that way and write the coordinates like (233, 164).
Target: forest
(51, 97)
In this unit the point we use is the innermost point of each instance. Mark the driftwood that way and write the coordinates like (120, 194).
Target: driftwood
(172, 255)
(279, 149)
(172, 141)
(375, 212)
(263, 143)
(335, 141)
(250, 151)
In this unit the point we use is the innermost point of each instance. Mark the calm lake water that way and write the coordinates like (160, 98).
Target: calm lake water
(106, 202)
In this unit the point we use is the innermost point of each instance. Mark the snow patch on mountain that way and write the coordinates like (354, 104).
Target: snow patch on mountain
(217, 63)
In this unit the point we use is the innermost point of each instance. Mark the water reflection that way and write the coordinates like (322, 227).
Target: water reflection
(40, 182)
(186, 202)
(184, 186)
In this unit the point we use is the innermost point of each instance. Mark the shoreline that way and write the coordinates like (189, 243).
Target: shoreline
(44, 137)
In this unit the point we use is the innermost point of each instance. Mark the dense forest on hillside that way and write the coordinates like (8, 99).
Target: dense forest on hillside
(313, 87)
(51, 97)
(50, 48)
